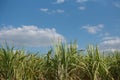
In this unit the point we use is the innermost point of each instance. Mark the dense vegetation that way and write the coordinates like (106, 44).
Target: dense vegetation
(60, 63)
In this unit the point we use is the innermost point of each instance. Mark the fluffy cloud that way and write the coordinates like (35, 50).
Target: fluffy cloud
(81, 8)
(110, 44)
(60, 11)
(93, 29)
(81, 1)
(30, 36)
(46, 10)
(60, 1)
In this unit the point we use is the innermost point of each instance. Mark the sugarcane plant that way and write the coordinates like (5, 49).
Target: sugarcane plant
(61, 62)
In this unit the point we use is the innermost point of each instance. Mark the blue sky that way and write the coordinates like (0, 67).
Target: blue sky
(40, 23)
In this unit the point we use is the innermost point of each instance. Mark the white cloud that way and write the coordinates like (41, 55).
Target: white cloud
(59, 11)
(56, 11)
(46, 10)
(60, 1)
(93, 29)
(81, 1)
(81, 8)
(30, 36)
(110, 44)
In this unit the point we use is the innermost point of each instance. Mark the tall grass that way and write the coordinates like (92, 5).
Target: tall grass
(62, 62)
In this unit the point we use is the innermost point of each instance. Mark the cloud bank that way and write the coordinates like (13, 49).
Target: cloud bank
(110, 44)
(31, 36)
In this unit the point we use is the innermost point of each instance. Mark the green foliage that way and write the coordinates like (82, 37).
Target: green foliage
(62, 62)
